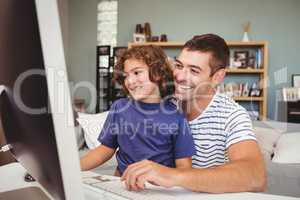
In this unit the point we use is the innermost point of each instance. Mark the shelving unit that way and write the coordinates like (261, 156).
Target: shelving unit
(261, 73)
(103, 77)
(245, 71)
(107, 90)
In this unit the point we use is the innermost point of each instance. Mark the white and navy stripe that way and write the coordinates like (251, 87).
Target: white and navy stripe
(223, 123)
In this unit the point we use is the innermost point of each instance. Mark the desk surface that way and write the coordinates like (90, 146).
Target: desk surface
(12, 177)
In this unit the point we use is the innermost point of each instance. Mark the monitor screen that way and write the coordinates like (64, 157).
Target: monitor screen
(36, 111)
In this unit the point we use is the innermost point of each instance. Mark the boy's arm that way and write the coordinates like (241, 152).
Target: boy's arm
(96, 157)
(183, 162)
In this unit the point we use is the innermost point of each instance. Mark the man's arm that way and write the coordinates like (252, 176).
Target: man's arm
(184, 163)
(96, 157)
(244, 172)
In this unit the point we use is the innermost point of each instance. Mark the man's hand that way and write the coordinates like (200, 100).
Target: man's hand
(137, 174)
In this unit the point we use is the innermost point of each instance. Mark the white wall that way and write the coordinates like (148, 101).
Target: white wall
(82, 43)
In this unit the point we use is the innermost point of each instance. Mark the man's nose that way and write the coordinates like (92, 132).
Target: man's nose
(180, 74)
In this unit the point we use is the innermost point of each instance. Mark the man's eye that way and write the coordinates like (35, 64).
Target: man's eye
(195, 71)
(178, 66)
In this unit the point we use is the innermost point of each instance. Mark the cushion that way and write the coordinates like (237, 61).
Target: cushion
(287, 148)
(79, 137)
(266, 138)
(92, 125)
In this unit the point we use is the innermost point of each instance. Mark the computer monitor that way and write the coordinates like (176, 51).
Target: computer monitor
(33, 73)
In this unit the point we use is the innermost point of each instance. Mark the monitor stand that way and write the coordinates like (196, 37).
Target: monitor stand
(28, 193)
(5, 157)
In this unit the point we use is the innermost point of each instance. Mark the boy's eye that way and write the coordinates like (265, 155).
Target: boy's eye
(137, 72)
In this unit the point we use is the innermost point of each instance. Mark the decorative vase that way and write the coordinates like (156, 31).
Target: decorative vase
(147, 31)
(245, 37)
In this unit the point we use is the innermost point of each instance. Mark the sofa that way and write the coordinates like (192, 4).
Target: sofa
(283, 175)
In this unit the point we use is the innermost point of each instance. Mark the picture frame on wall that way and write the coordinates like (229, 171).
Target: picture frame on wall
(296, 80)
(104, 50)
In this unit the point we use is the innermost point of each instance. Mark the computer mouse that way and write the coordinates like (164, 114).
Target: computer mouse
(28, 178)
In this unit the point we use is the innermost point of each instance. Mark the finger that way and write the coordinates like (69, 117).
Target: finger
(132, 171)
(126, 186)
(131, 167)
(124, 175)
(153, 183)
(134, 175)
(141, 181)
(134, 167)
(126, 180)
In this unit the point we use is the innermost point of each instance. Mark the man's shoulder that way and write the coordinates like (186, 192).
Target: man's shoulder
(221, 109)
(225, 104)
(234, 112)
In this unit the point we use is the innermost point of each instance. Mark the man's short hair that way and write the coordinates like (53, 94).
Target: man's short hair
(213, 44)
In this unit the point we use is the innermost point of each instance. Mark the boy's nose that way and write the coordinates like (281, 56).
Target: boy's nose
(131, 80)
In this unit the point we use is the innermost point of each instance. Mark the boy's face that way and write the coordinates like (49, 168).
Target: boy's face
(192, 75)
(138, 83)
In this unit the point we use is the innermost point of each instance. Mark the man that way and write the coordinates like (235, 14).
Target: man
(227, 156)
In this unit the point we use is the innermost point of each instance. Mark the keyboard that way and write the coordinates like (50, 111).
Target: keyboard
(115, 188)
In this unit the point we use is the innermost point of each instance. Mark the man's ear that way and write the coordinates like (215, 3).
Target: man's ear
(218, 76)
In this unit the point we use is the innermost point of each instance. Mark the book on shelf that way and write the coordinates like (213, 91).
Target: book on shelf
(291, 94)
(258, 63)
(235, 89)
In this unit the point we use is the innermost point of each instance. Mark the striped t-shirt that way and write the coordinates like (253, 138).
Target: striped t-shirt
(221, 124)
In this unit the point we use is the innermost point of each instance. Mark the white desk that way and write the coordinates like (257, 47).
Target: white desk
(12, 177)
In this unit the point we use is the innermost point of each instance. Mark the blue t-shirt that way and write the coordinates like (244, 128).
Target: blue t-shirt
(152, 131)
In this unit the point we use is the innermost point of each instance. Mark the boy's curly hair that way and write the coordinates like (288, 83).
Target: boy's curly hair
(160, 71)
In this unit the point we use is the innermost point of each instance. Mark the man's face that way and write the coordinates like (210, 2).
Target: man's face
(192, 75)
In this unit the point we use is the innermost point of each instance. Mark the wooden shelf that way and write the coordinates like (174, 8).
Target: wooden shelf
(245, 71)
(180, 44)
(243, 44)
(161, 44)
(248, 98)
